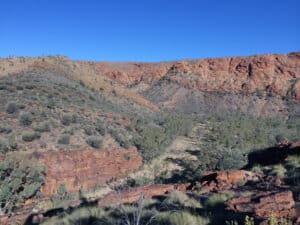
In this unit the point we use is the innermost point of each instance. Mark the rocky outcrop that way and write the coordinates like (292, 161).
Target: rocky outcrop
(275, 74)
(134, 194)
(264, 204)
(254, 85)
(224, 180)
(86, 168)
(132, 73)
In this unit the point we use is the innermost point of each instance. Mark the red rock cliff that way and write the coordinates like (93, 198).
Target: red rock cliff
(274, 73)
(87, 168)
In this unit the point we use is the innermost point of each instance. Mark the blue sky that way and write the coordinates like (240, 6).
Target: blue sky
(148, 30)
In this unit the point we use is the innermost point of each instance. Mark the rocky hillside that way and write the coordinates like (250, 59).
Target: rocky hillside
(74, 130)
(269, 81)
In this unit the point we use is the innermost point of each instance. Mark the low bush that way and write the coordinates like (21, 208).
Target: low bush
(2, 86)
(182, 218)
(75, 118)
(29, 136)
(154, 138)
(120, 138)
(150, 141)
(9, 145)
(12, 143)
(100, 128)
(26, 118)
(3, 146)
(177, 200)
(66, 119)
(216, 200)
(64, 139)
(61, 197)
(5, 129)
(43, 127)
(279, 171)
(20, 179)
(94, 141)
(88, 130)
(11, 107)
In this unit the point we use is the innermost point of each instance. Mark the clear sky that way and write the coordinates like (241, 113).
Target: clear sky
(148, 30)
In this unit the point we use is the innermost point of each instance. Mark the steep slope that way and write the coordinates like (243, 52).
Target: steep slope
(85, 72)
(46, 103)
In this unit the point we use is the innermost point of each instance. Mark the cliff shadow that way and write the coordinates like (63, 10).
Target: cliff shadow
(272, 155)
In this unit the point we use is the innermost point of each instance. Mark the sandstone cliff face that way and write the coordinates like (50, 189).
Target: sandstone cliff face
(133, 73)
(275, 74)
(87, 168)
(266, 85)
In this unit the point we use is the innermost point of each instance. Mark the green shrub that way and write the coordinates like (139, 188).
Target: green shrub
(66, 119)
(129, 128)
(182, 218)
(280, 138)
(150, 141)
(51, 104)
(216, 200)
(29, 86)
(153, 139)
(9, 145)
(20, 179)
(94, 141)
(249, 221)
(179, 199)
(75, 118)
(5, 129)
(100, 128)
(30, 136)
(120, 138)
(293, 161)
(20, 106)
(19, 87)
(2, 86)
(92, 97)
(82, 83)
(62, 196)
(88, 130)
(3, 146)
(44, 127)
(12, 143)
(256, 168)
(279, 171)
(64, 139)
(11, 107)
(26, 118)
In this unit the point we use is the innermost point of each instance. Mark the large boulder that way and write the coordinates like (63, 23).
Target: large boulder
(265, 204)
(222, 180)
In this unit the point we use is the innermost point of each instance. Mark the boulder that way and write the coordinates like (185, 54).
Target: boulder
(222, 180)
(264, 204)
